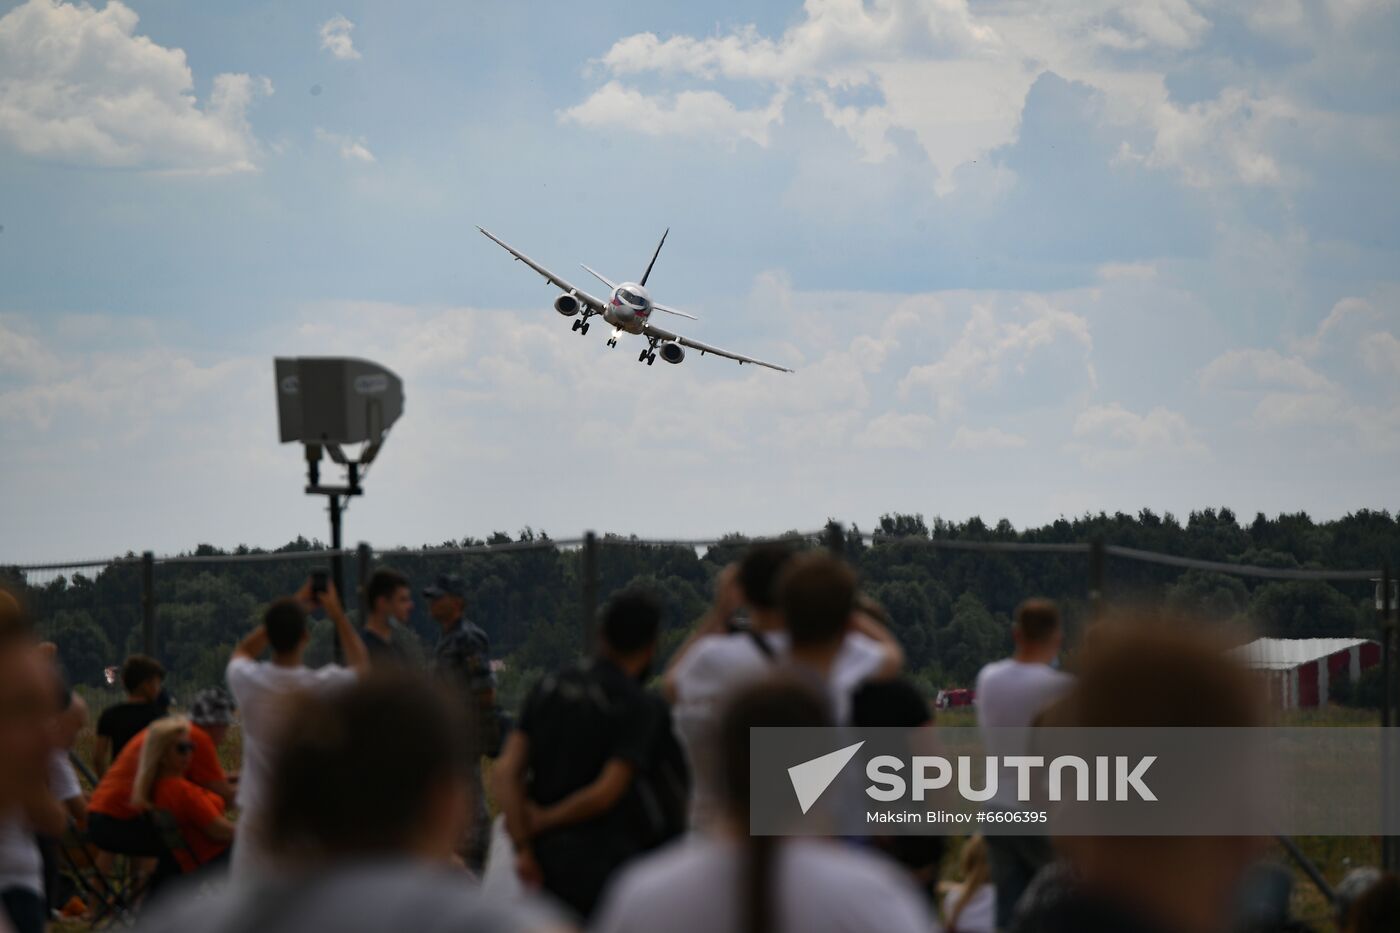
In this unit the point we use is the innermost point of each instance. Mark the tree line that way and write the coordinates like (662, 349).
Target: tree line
(950, 608)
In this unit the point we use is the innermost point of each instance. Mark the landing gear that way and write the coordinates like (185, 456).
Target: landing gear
(581, 325)
(612, 341)
(651, 358)
(643, 357)
(584, 328)
(649, 354)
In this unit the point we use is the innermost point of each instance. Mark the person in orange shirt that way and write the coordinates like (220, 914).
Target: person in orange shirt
(114, 824)
(161, 784)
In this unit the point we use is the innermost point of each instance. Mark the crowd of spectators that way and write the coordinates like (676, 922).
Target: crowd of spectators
(623, 795)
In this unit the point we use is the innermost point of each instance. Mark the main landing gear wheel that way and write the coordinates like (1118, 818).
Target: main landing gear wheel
(584, 328)
(651, 358)
(577, 324)
(643, 357)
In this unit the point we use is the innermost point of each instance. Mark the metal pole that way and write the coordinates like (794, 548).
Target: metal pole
(590, 590)
(148, 604)
(364, 556)
(337, 570)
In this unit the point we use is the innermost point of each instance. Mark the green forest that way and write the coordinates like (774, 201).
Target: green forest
(950, 608)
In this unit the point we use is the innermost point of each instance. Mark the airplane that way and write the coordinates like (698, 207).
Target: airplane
(628, 309)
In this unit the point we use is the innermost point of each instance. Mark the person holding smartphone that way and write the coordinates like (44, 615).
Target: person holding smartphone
(262, 689)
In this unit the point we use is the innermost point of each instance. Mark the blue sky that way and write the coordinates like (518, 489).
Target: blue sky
(1027, 261)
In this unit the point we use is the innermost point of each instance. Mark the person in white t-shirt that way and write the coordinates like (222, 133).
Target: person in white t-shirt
(1010, 694)
(265, 690)
(725, 879)
(719, 658)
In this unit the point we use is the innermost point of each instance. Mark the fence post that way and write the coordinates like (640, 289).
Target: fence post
(1096, 568)
(364, 556)
(148, 604)
(590, 590)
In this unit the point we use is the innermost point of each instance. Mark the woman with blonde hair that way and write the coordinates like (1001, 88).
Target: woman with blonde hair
(161, 785)
(968, 907)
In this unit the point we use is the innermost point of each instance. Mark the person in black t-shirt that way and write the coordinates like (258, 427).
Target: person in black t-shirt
(143, 679)
(566, 779)
(388, 600)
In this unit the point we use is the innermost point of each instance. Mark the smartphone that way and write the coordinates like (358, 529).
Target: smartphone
(318, 582)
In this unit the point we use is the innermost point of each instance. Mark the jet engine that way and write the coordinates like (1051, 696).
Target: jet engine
(672, 352)
(568, 305)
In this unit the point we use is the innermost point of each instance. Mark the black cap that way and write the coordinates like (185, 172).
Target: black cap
(446, 584)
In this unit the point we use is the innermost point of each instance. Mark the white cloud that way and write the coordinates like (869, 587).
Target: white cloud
(78, 85)
(699, 114)
(958, 80)
(989, 438)
(1381, 353)
(896, 430)
(1109, 436)
(1253, 369)
(336, 39)
(992, 349)
(351, 148)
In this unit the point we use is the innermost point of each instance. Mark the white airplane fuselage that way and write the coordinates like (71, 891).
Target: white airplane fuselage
(629, 308)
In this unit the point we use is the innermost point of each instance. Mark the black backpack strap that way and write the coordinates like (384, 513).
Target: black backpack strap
(762, 645)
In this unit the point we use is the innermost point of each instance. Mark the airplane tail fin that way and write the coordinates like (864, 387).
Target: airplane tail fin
(647, 274)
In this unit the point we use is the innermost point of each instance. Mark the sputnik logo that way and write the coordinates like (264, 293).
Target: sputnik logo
(811, 778)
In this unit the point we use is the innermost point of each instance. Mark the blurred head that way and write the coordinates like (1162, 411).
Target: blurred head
(165, 752)
(1037, 631)
(212, 710)
(817, 594)
(26, 707)
(1148, 672)
(628, 627)
(285, 622)
(388, 595)
(377, 769)
(779, 700)
(1377, 909)
(447, 599)
(759, 572)
(143, 677)
(896, 702)
(70, 722)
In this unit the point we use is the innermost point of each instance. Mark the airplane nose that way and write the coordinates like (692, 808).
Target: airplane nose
(624, 313)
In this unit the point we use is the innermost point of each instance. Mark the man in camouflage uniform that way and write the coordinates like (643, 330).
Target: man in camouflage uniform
(463, 660)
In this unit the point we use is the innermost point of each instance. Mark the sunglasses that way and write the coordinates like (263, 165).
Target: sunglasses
(184, 748)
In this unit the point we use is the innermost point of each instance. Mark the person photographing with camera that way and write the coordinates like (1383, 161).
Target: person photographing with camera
(263, 690)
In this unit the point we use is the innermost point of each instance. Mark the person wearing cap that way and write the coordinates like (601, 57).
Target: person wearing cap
(463, 661)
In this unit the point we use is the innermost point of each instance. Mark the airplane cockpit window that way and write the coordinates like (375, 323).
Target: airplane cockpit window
(632, 299)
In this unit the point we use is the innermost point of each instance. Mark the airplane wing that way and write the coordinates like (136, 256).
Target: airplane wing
(599, 276)
(651, 330)
(556, 281)
(674, 311)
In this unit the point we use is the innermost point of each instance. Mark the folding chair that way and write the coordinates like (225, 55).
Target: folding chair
(111, 900)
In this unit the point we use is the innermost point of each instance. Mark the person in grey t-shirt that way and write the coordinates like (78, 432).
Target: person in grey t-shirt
(368, 800)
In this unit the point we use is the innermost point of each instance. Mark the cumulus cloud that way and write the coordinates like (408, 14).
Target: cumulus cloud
(897, 431)
(1112, 436)
(351, 148)
(991, 348)
(989, 438)
(1261, 369)
(958, 79)
(336, 38)
(699, 114)
(79, 85)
